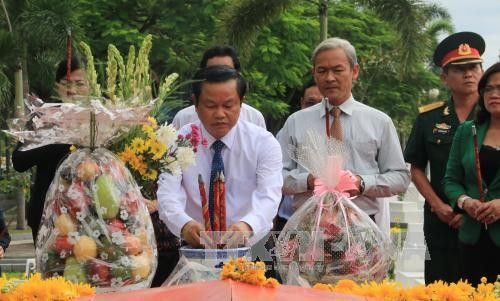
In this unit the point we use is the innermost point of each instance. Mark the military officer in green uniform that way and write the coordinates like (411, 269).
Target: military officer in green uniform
(459, 57)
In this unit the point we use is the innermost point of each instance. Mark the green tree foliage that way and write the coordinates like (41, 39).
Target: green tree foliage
(275, 41)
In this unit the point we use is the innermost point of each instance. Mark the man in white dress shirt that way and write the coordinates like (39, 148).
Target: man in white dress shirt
(251, 158)
(375, 154)
(219, 55)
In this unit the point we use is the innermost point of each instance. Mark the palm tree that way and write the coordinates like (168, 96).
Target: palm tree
(37, 37)
(242, 21)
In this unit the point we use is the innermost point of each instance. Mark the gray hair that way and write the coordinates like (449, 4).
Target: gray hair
(334, 43)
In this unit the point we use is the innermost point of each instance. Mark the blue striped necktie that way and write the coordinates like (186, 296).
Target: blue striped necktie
(217, 167)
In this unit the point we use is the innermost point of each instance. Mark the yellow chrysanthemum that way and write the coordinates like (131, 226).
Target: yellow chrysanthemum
(138, 145)
(152, 122)
(127, 154)
(56, 288)
(157, 150)
(248, 272)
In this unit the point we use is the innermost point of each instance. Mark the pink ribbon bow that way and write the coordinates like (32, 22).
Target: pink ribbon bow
(347, 181)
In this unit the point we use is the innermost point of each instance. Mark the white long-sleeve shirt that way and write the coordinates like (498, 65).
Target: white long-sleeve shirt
(253, 177)
(188, 115)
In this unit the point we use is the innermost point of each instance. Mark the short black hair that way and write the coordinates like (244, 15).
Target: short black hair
(482, 114)
(310, 83)
(221, 50)
(62, 67)
(218, 74)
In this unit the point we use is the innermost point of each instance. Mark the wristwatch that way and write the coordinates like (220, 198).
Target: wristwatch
(361, 184)
(461, 200)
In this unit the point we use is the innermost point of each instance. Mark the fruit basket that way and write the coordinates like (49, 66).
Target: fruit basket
(95, 226)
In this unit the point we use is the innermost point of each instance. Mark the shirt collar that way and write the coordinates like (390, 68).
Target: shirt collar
(228, 139)
(346, 107)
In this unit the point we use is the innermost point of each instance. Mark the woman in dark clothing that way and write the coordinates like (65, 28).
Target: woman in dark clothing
(46, 159)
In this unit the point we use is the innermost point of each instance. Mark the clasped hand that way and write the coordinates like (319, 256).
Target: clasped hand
(487, 212)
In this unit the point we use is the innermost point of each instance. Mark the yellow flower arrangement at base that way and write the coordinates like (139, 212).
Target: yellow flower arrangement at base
(248, 272)
(56, 288)
(437, 291)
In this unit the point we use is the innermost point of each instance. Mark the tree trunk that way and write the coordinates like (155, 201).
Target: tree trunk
(19, 113)
(323, 19)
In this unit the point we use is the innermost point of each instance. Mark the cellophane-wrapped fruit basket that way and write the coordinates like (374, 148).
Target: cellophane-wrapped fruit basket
(95, 226)
(329, 237)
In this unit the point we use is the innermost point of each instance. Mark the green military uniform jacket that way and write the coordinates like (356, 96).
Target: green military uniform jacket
(430, 142)
(461, 178)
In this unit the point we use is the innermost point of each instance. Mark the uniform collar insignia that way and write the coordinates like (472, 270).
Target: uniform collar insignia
(443, 126)
(446, 111)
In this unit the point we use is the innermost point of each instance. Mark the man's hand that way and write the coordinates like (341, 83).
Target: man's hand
(191, 233)
(356, 192)
(1, 252)
(488, 212)
(455, 221)
(470, 206)
(152, 205)
(444, 212)
(237, 234)
(310, 182)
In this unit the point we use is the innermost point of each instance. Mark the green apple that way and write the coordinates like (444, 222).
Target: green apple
(74, 271)
(107, 197)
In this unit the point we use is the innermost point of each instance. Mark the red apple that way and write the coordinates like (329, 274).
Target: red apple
(62, 246)
(77, 199)
(99, 272)
(115, 225)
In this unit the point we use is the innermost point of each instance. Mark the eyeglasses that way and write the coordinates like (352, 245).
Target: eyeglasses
(488, 90)
(78, 84)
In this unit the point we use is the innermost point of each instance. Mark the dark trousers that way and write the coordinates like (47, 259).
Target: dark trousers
(443, 264)
(480, 260)
(166, 263)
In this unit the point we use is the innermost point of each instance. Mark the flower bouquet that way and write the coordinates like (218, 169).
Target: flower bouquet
(95, 226)
(154, 148)
(329, 238)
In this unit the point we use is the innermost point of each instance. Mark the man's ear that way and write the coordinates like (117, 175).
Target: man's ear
(444, 78)
(243, 99)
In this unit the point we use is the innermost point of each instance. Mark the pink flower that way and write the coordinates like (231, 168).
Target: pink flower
(188, 136)
(290, 251)
(204, 142)
(180, 137)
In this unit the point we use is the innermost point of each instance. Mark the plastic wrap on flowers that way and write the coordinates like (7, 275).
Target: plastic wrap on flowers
(187, 271)
(95, 227)
(89, 122)
(329, 238)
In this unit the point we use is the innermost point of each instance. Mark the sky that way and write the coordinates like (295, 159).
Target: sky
(482, 17)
